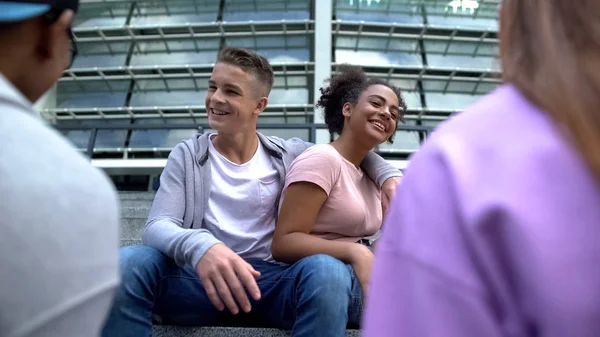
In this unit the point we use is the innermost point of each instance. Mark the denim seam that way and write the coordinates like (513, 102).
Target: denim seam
(295, 295)
(182, 277)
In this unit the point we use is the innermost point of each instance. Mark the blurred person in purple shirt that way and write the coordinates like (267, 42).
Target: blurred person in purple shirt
(495, 229)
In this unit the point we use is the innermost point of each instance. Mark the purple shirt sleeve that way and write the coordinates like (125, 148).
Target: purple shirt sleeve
(493, 232)
(412, 295)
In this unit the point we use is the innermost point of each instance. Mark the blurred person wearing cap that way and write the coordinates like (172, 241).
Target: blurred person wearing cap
(58, 214)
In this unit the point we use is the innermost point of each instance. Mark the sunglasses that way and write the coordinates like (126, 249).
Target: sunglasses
(51, 17)
(72, 47)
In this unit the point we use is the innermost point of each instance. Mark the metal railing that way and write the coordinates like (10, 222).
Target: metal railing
(165, 112)
(417, 114)
(480, 79)
(141, 33)
(423, 131)
(168, 72)
(427, 32)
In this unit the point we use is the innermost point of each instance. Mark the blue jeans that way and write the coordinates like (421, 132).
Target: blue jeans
(317, 296)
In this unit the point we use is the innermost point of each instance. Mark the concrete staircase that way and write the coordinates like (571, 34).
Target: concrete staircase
(135, 208)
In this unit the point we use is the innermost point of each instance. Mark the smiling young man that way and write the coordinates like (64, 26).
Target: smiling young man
(59, 215)
(207, 254)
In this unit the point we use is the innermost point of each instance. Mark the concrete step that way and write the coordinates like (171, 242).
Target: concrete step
(131, 228)
(135, 212)
(136, 203)
(130, 242)
(174, 331)
(136, 195)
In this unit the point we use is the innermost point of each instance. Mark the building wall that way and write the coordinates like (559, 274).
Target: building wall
(147, 63)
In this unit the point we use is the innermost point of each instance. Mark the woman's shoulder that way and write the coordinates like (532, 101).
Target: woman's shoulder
(324, 153)
(318, 160)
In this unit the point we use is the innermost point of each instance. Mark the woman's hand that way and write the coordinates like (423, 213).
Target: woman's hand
(362, 262)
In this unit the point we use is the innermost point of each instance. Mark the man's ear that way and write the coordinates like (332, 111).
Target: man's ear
(261, 105)
(54, 41)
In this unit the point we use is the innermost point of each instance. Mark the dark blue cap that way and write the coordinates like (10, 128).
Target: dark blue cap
(20, 10)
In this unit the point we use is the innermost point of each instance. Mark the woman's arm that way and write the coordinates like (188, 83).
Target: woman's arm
(292, 240)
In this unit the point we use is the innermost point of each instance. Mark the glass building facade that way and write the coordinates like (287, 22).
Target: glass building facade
(137, 87)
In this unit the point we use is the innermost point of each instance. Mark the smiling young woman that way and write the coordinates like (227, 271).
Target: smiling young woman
(329, 205)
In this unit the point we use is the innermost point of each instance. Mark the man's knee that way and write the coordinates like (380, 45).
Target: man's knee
(141, 263)
(327, 276)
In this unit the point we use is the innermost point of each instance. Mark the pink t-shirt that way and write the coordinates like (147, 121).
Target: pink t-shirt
(353, 206)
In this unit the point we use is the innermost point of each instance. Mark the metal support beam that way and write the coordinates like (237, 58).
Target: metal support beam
(323, 50)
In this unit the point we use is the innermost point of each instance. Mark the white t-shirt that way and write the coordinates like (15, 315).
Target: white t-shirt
(242, 203)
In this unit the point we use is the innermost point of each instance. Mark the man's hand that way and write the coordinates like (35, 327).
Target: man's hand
(388, 191)
(362, 263)
(221, 270)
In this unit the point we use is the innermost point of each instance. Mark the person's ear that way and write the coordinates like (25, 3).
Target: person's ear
(55, 39)
(347, 109)
(261, 105)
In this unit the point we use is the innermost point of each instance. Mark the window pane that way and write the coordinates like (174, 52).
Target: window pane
(373, 58)
(461, 47)
(160, 138)
(79, 138)
(292, 96)
(160, 98)
(378, 11)
(465, 62)
(412, 99)
(303, 134)
(449, 101)
(265, 10)
(168, 12)
(452, 22)
(404, 141)
(84, 100)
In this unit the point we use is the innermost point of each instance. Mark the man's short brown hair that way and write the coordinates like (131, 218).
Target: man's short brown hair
(251, 63)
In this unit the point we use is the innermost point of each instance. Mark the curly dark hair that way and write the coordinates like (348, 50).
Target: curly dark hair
(346, 87)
